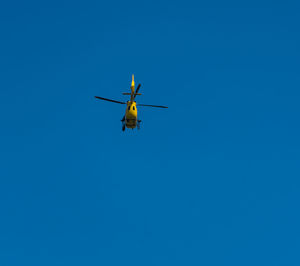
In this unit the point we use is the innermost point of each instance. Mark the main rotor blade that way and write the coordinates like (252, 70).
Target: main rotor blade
(159, 106)
(109, 100)
(137, 90)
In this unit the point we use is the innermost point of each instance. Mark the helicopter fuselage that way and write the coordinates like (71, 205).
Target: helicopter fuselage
(131, 115)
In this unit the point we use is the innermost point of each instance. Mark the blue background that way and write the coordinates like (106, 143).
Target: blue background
(213, 180)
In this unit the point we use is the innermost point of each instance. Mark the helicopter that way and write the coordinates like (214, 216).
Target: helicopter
(130, 119)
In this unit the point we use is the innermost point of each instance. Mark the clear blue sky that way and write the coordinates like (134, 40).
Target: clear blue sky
(213, 180)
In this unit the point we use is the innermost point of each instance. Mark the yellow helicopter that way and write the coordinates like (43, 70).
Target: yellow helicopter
(130, 119)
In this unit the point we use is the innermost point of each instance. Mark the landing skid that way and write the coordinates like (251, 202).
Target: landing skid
(138, 124)
(124, 125)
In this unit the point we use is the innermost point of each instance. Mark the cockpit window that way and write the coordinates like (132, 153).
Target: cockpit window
(128, 107)
(133, 107)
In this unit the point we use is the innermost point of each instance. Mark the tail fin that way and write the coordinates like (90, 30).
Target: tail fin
(132, 88)
(132, 82)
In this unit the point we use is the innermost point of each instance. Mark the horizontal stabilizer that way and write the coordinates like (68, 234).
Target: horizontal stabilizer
(126, 93)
